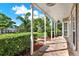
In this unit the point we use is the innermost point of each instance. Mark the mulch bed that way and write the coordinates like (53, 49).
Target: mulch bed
(27, 53)
(36, 47)
(23, 53)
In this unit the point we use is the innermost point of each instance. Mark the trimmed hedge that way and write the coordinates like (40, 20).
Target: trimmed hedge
(11, 44)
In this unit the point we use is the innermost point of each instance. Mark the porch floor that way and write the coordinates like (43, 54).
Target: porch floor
(56, 47)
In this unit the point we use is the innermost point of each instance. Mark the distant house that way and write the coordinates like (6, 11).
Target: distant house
(8, 30)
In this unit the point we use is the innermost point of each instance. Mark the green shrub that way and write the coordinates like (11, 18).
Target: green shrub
(11, 44)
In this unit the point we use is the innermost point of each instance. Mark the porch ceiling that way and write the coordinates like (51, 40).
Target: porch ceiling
(58, 11)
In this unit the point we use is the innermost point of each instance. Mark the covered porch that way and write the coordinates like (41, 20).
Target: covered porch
(56, 46)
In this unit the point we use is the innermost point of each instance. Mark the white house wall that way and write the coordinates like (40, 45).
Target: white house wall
(70, 38)
(78, 26)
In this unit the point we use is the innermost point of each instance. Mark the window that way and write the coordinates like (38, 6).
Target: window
(74, 30)
(65, 29)
(74, 24)
(73, 19)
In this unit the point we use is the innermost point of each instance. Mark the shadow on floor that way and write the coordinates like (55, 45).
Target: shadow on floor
(54, 50)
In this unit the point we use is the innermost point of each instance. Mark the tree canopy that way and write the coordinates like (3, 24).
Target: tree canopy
(25, 22)
(5, 21)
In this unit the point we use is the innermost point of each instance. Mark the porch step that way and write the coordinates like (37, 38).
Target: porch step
(40, 51)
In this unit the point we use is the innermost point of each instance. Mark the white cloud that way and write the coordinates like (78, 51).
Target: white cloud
(20, 9)
(35, 12)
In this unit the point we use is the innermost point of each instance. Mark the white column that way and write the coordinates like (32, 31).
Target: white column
(51, 29)
(31, 52)
(45, 30)
(54, 29)
(57, 27)
(62, 29)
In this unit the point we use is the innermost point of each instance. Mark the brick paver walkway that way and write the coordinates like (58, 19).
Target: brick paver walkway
(56, 47)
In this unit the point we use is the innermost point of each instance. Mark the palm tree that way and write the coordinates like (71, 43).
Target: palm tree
(11, 24)
(26, 21)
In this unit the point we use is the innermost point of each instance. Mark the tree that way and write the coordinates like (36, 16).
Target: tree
(5, 22)
(11, 24)
(59, 28)
(25, 21)
(48, 27)
(38, 25)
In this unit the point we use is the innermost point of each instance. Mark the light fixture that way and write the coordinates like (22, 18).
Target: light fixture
(50, 4)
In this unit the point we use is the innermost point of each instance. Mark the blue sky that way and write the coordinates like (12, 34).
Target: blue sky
(14, 9)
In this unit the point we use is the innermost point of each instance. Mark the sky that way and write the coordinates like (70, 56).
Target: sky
(18, 9)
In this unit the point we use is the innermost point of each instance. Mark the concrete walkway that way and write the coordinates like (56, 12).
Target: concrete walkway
(55, 47)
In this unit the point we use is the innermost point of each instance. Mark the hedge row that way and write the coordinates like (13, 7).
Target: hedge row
(11, 44)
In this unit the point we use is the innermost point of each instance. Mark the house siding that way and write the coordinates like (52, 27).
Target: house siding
(78, 27)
